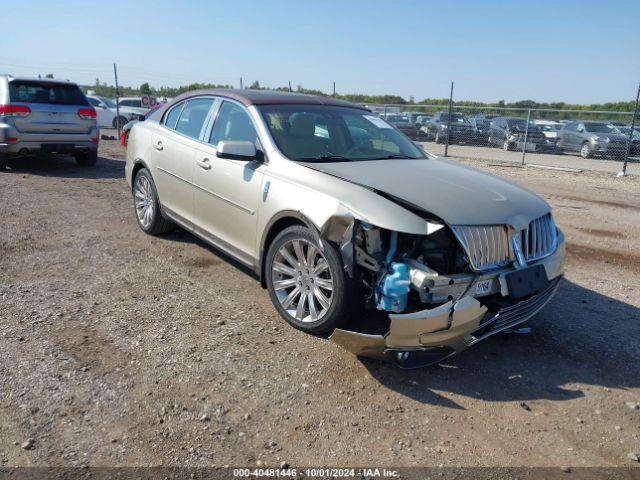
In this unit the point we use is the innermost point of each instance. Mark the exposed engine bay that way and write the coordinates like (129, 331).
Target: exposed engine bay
(436, 303)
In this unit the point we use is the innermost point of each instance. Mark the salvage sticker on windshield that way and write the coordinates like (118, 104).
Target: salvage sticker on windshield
(377, 121)
(483, 286)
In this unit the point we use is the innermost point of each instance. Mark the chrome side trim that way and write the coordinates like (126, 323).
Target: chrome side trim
(225, 199)
(215, 195)
(209, 238)
(167, 172)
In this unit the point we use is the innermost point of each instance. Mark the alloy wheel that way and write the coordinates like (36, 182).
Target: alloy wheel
(144, 201)
(302, 280)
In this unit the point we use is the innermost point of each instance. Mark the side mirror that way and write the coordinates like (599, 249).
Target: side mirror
(237, 150)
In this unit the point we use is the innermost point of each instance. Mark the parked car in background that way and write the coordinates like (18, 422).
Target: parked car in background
(124, 131)
(549, 128)
(509, 133)
(592, 138)
(40, 116)
(403, 123)
(106, 111)
(635, 141)
(134, 104)
(422, 120)
(333, 223)
(481, 127)
(458, 129)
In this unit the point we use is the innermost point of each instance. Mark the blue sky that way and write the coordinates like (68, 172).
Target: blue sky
(573, 51)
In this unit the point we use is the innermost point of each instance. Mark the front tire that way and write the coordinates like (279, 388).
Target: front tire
(146, 205)
(307, 284)
(506, 146)
(585, 150)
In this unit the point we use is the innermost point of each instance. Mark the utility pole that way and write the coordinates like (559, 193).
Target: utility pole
(526, 135)
(334, 89)
(115, 74)
(290, 86)
(240, 83)
(446, 144)
(630, 142)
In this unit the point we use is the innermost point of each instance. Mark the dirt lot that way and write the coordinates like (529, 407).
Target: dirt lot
(117, 348)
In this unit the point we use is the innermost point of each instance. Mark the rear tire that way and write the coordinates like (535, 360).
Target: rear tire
(298, 270)
(585, 150)
(123, 122)
(87, 159)
(147, 207)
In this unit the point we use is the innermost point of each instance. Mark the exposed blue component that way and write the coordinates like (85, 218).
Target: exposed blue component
(393, 290)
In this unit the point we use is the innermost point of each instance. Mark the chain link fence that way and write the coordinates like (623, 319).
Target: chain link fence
(563, 139)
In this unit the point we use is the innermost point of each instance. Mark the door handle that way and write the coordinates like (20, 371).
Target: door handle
(158, 145)
(204, 164)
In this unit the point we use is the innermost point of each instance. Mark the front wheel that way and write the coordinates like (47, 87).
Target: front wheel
(145, 201)
(307, 283)
(506, 146)
(585, 151)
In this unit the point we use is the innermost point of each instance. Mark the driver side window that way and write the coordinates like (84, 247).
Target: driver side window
(232, 123)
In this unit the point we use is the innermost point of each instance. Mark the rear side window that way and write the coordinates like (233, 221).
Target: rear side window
(172, 117)
(193, 116)
(46, 92)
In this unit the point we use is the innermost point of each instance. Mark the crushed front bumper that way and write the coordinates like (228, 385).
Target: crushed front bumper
(429, 336)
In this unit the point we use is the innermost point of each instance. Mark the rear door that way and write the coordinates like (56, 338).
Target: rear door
(54, 107)
(175, 143)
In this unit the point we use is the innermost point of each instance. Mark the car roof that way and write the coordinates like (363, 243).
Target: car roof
(11, 78)
(268, 97)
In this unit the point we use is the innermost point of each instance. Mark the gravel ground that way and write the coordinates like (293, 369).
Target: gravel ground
(117, 348)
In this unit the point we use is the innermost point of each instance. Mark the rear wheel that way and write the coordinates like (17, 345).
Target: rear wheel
(123, 122)
(86, 159)
(307, 283)
(585, 151)
(147, 207)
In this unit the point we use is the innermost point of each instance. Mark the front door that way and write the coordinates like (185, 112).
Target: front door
(226, 191)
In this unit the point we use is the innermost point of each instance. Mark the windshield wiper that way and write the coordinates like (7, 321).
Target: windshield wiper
(398, 156)
(325, 158)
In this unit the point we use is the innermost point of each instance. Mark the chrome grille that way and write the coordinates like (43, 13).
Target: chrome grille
(486, 246)
(539, 239)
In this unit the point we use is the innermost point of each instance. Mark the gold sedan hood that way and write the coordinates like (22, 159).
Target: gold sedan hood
(458, 194)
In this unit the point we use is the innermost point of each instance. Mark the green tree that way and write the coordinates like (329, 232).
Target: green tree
(145, 89)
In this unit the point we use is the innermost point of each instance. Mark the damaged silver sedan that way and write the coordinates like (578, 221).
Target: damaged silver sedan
(340, 215)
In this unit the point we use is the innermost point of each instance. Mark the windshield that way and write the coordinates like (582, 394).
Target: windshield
(397, 119)
(521, 124)
(455, 118)
(327, 133)
(110, 103)
(600, 128)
